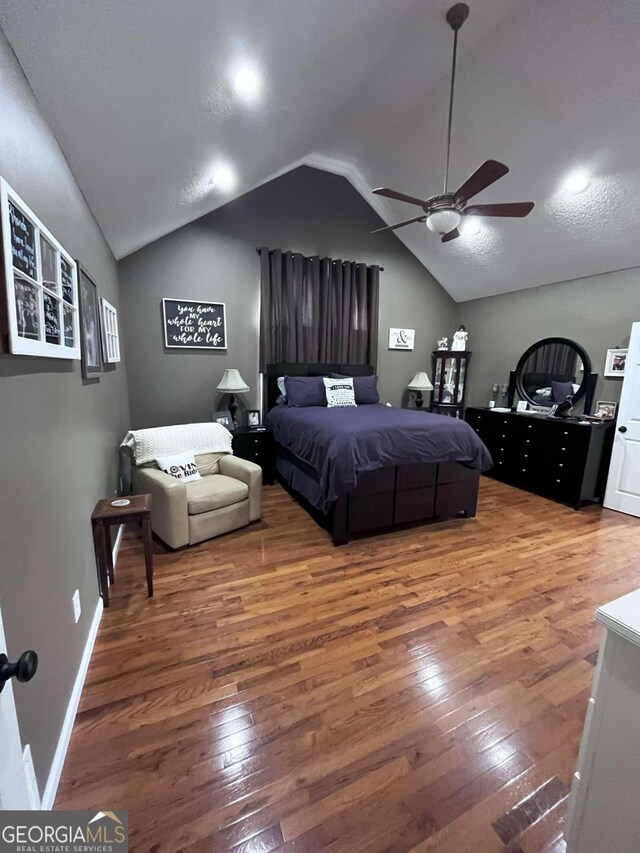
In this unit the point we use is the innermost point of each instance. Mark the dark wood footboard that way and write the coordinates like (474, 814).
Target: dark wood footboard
(404, 494)
(397, 495)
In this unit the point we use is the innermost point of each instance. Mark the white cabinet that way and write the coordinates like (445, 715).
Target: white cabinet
(604, 810)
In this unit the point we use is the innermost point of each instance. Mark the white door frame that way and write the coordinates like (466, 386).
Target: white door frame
(14, 792)
(623, 484)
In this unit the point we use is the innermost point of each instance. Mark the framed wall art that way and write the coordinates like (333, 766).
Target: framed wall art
(89, 325)
(110, 333)
(616, 362)
(41, 284)
(191, 324)
(402, 338)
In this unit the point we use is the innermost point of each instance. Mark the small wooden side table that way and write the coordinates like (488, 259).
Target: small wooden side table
(103, 516)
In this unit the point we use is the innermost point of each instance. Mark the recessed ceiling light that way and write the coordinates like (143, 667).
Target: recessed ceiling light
(471, 225)
(246, 82)
(223, 178)
(576, 181)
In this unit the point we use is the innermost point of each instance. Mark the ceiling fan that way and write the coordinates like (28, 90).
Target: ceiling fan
(443, 213)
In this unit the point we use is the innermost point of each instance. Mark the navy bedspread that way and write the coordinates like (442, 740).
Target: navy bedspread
(340, 443)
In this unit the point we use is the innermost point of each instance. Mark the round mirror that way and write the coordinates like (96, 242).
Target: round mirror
(551, 371)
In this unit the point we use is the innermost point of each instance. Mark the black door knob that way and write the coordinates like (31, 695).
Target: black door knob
(622, 429)
(23, 669)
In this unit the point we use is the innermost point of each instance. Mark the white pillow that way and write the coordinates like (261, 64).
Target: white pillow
(339, 392)
(282, 388)
(182, 466)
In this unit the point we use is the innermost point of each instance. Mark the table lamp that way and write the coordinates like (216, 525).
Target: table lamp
(232, 383)
(420, 383)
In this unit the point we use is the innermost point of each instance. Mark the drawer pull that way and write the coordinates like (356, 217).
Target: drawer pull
(561, 464)
(563, 448)
(557, 481)
(529, 426)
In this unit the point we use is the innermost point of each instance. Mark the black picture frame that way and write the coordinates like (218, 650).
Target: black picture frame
(194, 324)
(223, 417)
(90, 344)
(254, 419)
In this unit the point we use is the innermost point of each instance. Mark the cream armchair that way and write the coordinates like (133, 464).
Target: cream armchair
(228, 496)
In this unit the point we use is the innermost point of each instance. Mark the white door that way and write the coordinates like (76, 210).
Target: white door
(14, 793)
(623, 485)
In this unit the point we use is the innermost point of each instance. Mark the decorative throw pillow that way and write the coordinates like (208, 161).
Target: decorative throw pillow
(560, 391)
(339, 392)
(182, 466)
(282, 387)
(305, 391)
(365, 387)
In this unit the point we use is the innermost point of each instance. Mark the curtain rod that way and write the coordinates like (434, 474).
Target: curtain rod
(317, 256)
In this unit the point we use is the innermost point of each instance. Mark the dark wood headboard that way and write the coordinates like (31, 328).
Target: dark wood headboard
(287, 368)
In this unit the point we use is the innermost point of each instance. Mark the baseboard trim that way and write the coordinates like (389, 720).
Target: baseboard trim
(117, 543)
(49, 796)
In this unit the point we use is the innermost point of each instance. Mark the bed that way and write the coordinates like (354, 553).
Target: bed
(365, 469)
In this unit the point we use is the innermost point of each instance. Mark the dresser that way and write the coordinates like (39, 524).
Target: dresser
(603, 814)
(256, 446)
(564, 460)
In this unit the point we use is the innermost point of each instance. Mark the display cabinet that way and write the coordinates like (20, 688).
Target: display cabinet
(450, 370)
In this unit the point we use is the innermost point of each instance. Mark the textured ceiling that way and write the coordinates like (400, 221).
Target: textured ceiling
(139, 97)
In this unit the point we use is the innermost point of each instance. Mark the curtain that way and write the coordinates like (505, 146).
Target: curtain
(317, 309)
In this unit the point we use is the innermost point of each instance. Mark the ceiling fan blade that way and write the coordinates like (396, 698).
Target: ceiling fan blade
(399, 224)
(451, 235)
(483, 177)
(385, 191)
(516, 208)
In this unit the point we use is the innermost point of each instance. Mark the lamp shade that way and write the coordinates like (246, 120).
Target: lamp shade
(420, 382)
(232, 382)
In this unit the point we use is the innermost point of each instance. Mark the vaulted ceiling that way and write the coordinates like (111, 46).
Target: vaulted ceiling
(139, 96)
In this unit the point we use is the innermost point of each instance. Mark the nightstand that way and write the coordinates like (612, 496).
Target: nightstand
(256, 446)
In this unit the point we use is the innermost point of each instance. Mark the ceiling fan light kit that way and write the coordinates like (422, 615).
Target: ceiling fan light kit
(443, 213)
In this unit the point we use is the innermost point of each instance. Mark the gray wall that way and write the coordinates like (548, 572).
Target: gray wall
(59, 437)
(215, 259)
(597, 312)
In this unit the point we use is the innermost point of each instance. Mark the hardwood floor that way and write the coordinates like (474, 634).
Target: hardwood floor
(423, 690)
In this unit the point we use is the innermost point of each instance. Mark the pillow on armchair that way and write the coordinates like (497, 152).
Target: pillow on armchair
(182, 466)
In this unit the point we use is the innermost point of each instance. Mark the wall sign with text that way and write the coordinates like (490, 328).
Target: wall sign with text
(402, 338)
(41, 284)
(194, 325)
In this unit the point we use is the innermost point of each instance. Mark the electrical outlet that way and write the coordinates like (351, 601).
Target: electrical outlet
(30, 774)
(76, 606)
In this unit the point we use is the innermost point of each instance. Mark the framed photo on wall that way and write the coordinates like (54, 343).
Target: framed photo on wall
(110, 333)
(402, 338)
(89, 325)
(616, 362)
(41, 283)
